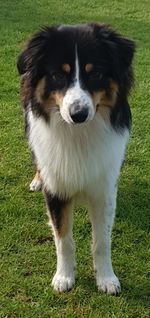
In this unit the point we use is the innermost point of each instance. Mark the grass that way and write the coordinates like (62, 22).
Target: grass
(27, 249)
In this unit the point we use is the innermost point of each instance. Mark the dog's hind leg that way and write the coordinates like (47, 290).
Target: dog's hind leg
(61, 219)
(36, 183)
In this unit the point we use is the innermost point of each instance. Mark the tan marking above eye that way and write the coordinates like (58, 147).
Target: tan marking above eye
(66, 68)
(88, 67)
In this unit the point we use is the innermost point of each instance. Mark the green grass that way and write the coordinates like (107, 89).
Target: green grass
(27, 249)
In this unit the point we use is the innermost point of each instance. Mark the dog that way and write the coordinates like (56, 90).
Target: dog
(75, 82)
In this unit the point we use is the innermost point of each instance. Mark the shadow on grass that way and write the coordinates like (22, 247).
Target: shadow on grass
(140, 292)
(133, 204)
(87, 283)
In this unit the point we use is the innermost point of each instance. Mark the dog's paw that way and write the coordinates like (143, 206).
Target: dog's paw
(62, 283)
(109, 285)
(36, 184)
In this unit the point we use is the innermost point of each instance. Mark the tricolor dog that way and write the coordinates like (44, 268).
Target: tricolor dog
(75, 82)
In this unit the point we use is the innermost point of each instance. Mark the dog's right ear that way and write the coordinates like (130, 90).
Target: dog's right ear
(31, 58)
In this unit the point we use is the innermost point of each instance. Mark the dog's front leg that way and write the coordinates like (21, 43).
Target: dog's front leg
(102, 217)
(61, 219)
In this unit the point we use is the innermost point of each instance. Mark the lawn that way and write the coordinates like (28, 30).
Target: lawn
(27, 249)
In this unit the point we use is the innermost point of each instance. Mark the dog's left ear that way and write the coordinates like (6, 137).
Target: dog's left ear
(119, 49)
(124, 51)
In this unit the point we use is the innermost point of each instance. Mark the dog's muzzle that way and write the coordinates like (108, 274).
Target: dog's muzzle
(77, 106)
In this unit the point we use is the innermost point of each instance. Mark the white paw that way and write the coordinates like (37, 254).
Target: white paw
(109, 285)
(35, 185)
(63, 283)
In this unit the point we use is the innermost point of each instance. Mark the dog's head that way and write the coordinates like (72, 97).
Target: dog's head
(76, 70)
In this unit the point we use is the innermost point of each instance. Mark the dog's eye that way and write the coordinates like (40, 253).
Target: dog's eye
(94, 80)
(58, 80)
(57, 76)
(95, 75)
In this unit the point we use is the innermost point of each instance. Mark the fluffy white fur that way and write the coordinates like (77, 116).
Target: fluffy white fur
(75, 158)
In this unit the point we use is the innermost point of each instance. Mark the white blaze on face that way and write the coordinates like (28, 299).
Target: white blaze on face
(75, 94)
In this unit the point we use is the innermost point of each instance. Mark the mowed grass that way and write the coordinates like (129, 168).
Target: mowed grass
(28, 258)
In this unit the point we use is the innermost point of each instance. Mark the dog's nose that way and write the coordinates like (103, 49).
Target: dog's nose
(78, 113)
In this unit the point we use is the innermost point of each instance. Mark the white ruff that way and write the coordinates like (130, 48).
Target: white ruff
(76, 158)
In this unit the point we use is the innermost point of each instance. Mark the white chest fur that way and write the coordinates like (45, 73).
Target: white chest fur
(74, 157)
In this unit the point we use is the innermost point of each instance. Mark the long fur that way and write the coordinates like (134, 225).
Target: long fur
(75, 86)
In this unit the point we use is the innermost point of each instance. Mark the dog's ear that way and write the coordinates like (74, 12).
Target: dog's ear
(123, 51)
(22, 63)
(119, 49)
(33, 53)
